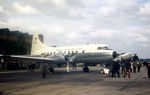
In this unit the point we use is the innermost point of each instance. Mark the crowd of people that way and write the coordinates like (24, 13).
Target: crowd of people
(45, 68)
(123, 67)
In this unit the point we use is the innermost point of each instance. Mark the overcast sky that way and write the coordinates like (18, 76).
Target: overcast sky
(123, 25)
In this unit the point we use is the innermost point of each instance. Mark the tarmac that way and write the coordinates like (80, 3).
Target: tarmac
(74, 83)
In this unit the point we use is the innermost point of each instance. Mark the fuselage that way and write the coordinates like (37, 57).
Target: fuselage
(95, 53)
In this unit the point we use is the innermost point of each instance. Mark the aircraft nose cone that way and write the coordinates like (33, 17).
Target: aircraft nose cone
(114, 54)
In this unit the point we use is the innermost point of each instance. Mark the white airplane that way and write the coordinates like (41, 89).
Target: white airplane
(87, 54)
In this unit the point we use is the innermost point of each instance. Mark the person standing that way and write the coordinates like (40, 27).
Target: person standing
(134, 66)
(117, 68)
(122, 67)
(28, 67)
(44, 69)
(148, 69)
(127, 66)
(33, 66)
(113, 69)
(139, 66)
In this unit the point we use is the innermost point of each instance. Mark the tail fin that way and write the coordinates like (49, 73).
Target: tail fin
(37, 46)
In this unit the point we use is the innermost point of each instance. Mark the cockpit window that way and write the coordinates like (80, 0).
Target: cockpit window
(102, 48)
(99, 48)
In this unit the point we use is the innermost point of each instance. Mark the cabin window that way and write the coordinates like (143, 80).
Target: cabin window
(106, 48)
(53, 52)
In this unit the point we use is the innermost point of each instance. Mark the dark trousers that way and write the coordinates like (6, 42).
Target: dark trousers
(138, 69)
(148, 72)
(114, 72)
(118, 73)
(123, 70)
(134, 68)
(44, 74)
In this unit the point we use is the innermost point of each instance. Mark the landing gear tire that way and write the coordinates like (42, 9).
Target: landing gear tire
(51, 70)
(85, 69)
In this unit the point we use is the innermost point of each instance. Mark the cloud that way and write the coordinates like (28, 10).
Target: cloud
(138, 34)
(103, 33)
(24, 9)
(141, 38)
(59, 3)
(1, 9)
(145, 9)
(107, 10)
(122, 24)
(3, 12)
(144, 45)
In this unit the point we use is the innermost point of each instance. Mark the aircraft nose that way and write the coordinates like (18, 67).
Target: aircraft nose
(114, 54)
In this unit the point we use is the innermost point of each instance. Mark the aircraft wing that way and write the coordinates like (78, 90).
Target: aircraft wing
(51, 59)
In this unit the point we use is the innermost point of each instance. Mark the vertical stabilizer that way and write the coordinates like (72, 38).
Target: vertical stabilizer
(37, 46)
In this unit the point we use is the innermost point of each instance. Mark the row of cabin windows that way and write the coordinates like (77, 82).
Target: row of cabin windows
(69, 52)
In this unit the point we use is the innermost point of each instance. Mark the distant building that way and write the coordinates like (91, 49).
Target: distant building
(6, 34)
(15, 43)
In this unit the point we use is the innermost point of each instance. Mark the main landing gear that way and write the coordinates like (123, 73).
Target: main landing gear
(85, 69)
(51, 70)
